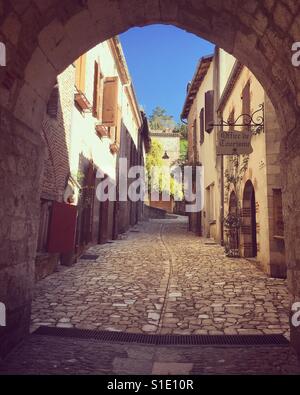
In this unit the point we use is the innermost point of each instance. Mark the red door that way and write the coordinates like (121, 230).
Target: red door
(62, 228)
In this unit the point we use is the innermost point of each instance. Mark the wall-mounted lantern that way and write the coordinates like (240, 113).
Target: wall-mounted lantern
(166, 156)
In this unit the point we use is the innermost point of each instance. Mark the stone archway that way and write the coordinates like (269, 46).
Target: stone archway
(43, 37)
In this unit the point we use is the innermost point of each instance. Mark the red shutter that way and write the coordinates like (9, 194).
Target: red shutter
(195, 140)
(202, 126)
(62, 228)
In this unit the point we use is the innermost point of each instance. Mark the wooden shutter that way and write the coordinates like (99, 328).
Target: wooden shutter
(202, 126)
(110, 101)
(62, 228)
(52, 105)
(96, 91)
(190, 141)
(278, 214)
(80, 65)
(246, 104)
(195, 139)
(209, 111)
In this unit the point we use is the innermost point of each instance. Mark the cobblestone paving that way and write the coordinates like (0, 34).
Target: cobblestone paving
(53, 355)
(163, 279)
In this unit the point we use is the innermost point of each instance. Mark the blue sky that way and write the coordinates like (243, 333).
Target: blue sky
(162, 60)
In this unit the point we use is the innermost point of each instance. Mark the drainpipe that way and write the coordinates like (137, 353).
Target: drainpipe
(219, 130)
(183, 121)
(222, 188)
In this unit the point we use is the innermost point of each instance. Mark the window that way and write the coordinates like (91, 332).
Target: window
(110, 102)
(202, 126)
(209, 111)
(80, 65)
(278, 214)
(53, 102)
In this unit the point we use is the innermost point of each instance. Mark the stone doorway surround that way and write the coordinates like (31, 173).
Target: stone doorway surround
(43, 37)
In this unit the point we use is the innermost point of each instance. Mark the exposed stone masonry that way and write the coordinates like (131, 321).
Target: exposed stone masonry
(44, 37)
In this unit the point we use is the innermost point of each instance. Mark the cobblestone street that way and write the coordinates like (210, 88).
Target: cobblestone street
(162, 279)
(158, 279)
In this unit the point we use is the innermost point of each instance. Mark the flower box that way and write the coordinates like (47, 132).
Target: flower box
(82, 102)
(101, 130)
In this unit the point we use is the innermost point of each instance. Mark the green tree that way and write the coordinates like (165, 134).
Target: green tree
(160, 120)
(182, 129)
(183, 149)
(163, 183)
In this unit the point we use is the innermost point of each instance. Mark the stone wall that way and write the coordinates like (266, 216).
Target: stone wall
(277, 266)
(154, 212)
(21, 164)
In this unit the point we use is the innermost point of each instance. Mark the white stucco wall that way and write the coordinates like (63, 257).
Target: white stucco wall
(226, 63)
(207, 157)
(84, 140)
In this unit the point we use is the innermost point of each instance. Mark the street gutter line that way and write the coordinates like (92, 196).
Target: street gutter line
(164, 306)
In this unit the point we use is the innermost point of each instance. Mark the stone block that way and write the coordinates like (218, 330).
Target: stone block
(45, 264)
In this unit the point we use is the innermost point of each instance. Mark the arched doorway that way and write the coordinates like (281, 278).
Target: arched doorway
(43, 38)
(249, 221)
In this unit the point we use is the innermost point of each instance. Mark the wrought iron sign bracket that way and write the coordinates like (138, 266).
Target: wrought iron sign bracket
(255, 123)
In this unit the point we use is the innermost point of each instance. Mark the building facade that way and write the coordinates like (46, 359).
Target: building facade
(242, 203)
(169, 142)
(252, 182)
(93, 120)
(199, 112)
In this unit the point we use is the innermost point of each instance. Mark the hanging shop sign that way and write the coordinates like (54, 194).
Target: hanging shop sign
(234, 143)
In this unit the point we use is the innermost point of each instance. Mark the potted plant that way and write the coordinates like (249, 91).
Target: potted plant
(232, 224)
